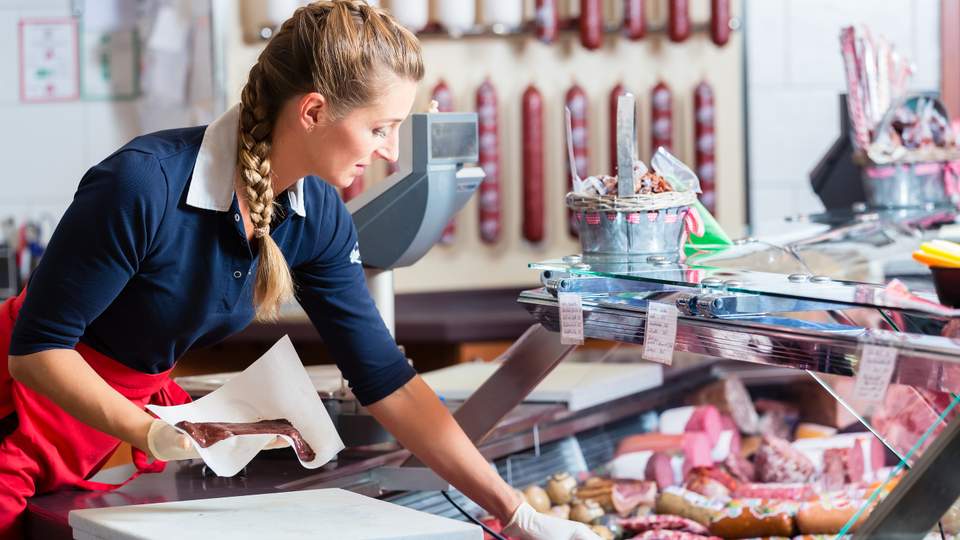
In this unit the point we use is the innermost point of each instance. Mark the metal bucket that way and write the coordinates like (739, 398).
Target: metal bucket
(905, 185)
(640, 234)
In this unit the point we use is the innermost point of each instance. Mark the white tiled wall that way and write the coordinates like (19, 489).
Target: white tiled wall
(794, 75)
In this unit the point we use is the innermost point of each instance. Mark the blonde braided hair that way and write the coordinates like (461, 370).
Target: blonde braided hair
(342, 49)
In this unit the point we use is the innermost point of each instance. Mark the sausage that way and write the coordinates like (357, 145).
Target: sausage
(547, 20)
(678, 22)
(662, 523)
(775, 491)
(704, 135)
(353, 189)
(828, 516)
(533, 213)
(576, 100)
(489, 159)
(444, 98)
(661, 118)
(660, 470)
(684, 503)
(591, 24)
(615, 94)
(720, 22)
(634, 19)
(752, 518)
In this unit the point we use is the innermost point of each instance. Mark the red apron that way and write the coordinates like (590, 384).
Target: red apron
(50, 449)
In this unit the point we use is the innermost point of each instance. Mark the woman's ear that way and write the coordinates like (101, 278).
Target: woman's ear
(313, 110)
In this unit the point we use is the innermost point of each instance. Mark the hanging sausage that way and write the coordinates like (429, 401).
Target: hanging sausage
(615, 94)
(661, 118)
(490, 162)
(444, 98)
(634, 19)
(414, 14)
(457, 16)
(678, 20)
(576, 101)
(533, 212)
(547, 20)
(720, 22)
(591, 24)
(507, 14)
(703, 107)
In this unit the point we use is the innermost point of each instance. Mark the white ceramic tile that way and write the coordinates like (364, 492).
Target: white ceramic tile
(766, 31)
(789, 132)
(46, 151)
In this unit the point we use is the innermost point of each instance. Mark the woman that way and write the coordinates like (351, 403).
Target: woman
(182, 237)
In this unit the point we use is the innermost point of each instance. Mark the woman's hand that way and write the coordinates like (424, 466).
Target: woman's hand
(528, 524)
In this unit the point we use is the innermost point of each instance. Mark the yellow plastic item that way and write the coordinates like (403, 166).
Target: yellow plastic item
(942, 248)
(930, 259)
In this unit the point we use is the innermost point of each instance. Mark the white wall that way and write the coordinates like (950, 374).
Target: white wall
(794, 74)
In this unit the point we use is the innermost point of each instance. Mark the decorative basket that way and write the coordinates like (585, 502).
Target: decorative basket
(638, 226)
(905, 185)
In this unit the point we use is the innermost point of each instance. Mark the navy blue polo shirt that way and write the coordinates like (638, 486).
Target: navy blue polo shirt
(139, 274)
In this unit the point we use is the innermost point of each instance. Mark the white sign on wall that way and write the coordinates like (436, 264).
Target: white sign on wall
(49, 60)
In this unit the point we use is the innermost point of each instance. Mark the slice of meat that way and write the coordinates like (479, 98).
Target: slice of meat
(207, 434)
(706, 419)
(777, 461)
(835, 467)
(740, 468)
(697, 451)
(627, 495)
(662, 522)
(660, 470)
(730, 396)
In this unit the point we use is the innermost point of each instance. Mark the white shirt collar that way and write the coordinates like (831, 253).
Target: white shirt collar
(211, 187)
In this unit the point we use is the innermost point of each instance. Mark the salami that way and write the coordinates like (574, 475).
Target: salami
(490, 162)
(720, 22)
(533, 212)
(706, 151)
(576, 101)
(661, 118)
(444, 98)
(634, 19)
(780, 492)
(777, 461)
(663, 523)
(591, 24)
(615, 94)
(547, 20)
(678, 20)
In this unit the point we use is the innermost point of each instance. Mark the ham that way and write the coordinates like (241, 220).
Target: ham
(660, 470)
(706, 419)
(628, 495)
(861, 456)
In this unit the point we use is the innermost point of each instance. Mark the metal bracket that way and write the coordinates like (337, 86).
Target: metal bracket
(527, 362)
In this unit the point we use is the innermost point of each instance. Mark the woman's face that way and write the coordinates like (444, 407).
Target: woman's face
(342, 149)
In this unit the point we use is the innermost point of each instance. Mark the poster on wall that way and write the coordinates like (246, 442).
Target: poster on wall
(49, 60)
(109, 50)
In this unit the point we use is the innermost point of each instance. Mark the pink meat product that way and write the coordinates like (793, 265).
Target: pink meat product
(664, 523)
(697, 451)
(835, 468)
(863, 455)
(706, 419)
(777, 461)
(657, 442)
(634, 19)
(673, 535)
(730, 396)
(533, 173)
(777, 492)
(727, 424)
(660, 470)
(489, 160)
(740, 467)
(707, 486)
(207, 434)
(627, 495)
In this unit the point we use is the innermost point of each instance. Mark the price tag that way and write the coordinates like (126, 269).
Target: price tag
(660, 336)
(571, 319)
(873, 372)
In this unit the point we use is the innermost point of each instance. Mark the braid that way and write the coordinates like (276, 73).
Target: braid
(274, 284)
(340, 49)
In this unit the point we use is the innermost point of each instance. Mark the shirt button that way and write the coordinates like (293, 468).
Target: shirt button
(236, 217)
(238, 274)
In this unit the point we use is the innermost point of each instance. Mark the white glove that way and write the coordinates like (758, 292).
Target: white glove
(165, 443)
(528, 524)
